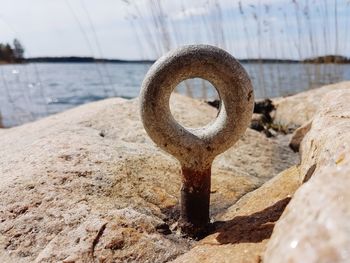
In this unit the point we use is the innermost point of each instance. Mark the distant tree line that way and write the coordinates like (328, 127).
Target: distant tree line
(12, 53)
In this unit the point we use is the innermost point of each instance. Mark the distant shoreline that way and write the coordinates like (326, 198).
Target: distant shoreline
(329, 59)
(121, 61)
(84, 60)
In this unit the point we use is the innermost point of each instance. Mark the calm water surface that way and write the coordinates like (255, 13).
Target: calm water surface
(32, 91)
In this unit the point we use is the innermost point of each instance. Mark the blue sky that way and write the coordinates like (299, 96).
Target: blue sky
(115, 29)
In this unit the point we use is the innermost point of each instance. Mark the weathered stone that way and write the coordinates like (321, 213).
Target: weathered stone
(296, 110)
(329, 135)
(315, 225)
(68, 193)
(298, 136)
(247, 225)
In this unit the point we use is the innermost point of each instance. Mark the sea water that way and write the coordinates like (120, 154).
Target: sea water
(35, 90)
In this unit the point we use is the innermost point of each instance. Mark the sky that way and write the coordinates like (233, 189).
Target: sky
(139, 29)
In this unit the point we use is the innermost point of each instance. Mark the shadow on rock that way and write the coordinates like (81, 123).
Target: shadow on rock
(253, 228)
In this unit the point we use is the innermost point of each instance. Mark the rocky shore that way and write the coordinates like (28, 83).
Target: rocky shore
(88, 185)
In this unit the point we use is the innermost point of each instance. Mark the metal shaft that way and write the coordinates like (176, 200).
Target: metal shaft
(195, 201)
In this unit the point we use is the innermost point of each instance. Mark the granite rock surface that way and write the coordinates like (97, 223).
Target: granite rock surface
(244, 228)
(88, 184)
(315, 225)
(296, 110)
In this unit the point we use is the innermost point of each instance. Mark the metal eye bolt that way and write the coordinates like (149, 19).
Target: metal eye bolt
(196, 149)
